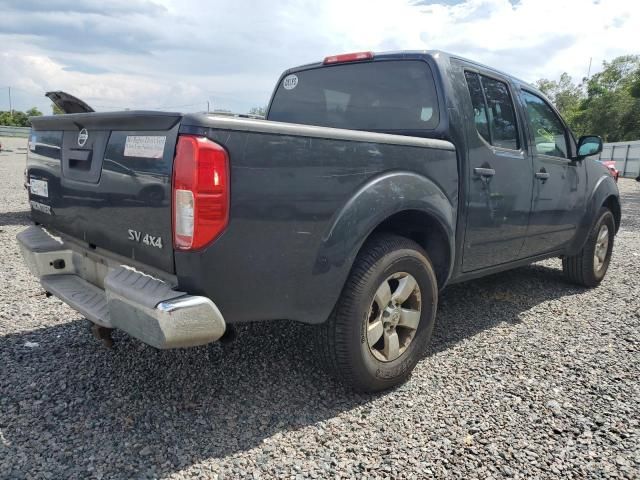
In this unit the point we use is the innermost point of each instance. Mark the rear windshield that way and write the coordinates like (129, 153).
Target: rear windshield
(376, 96)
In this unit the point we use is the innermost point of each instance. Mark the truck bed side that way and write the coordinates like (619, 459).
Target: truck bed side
(303, 200)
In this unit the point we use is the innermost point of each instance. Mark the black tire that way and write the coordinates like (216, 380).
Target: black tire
(581, 269)
(342, 339)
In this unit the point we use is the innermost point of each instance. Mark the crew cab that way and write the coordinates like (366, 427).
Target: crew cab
(375, 181)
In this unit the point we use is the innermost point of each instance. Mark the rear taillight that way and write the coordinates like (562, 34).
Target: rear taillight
(200, 192)
(348, 57)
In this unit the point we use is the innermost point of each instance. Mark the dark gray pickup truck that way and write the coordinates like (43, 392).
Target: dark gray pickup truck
(375, 181)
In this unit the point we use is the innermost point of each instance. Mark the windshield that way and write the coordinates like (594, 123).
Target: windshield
(377, 96)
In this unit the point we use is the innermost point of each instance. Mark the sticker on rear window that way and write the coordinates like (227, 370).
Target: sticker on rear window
(144, 146)
(290, 82)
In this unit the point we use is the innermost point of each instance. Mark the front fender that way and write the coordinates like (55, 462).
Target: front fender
(374, 202)
(604, 187)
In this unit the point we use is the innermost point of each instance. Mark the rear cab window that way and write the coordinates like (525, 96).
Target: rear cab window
(380, 96)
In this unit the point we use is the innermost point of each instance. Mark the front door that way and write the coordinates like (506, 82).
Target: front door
(499, 174)
(559, 183)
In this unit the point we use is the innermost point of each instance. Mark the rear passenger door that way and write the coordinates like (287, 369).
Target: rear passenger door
(559, 185)
(499, 174)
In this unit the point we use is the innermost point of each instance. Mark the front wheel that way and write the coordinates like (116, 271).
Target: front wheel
(590, 265)
(385, 316)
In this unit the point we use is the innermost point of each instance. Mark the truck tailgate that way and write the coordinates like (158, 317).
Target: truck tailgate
(105, 179)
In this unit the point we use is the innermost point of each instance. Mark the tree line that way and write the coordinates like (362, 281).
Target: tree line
(606, 104)
(17, 118)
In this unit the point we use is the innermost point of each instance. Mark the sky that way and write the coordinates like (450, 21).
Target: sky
(178, 54)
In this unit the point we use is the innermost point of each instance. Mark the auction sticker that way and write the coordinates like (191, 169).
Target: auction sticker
(144, 146)
(39, 187)
(290, 82)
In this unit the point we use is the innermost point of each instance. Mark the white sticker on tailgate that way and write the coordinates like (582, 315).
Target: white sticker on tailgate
(145, 146)
(39, 187)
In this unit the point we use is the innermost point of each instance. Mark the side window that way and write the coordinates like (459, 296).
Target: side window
(502, 116)
(479, 107)
(546, 127)
(494, 114)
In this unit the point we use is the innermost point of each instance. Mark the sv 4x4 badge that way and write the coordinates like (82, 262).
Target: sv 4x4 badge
(147, 239)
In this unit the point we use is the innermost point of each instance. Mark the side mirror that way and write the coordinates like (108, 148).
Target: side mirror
(589, 145)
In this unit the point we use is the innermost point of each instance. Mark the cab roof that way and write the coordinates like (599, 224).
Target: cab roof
(437, 55)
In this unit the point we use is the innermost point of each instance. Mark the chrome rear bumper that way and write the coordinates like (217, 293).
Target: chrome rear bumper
(143, 306)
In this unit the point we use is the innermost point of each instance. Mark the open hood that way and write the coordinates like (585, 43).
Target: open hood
(68, 103)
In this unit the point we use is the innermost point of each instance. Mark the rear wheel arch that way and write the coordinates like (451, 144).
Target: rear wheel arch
(399, 202)
(427, 231)
(378, 202)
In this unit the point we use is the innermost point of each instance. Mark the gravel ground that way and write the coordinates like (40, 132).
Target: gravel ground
(527, 377)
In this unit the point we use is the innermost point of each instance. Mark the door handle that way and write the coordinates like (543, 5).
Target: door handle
(484, 172)
(542, 175)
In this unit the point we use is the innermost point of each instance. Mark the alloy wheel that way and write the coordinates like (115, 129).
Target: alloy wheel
(394, 316)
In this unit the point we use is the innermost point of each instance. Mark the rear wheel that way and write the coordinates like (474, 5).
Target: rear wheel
(590, 265)
(384, 319)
